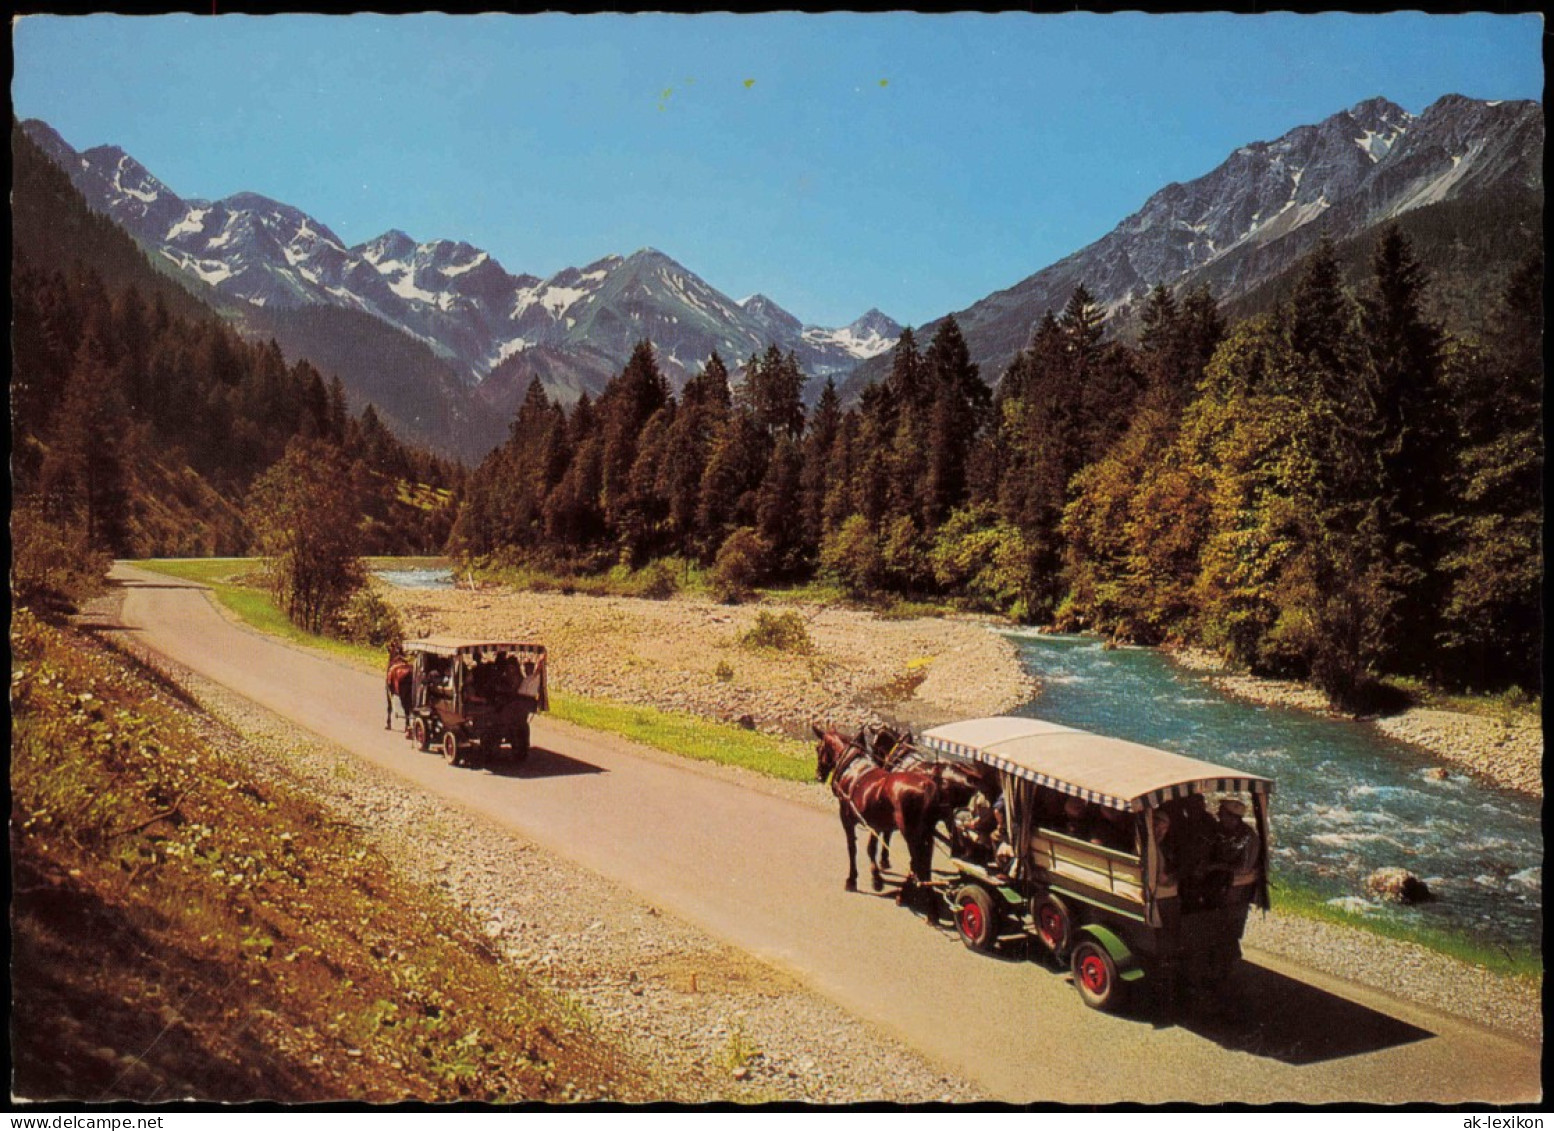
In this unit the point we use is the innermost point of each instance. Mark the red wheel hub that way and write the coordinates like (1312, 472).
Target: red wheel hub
(1051, 926)
(1092, 972)
(971, 920)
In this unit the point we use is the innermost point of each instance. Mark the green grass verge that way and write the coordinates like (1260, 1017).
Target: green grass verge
(658, 580)
(690, 736)
(1307, 903)
(409, 562)
(1513, 707)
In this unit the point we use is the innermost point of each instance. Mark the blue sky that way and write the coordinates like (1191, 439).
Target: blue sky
(833, 162)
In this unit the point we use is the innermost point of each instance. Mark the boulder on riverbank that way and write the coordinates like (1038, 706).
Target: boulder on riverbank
(1398, 885)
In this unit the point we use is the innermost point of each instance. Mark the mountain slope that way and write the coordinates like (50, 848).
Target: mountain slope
(1251, 218)
(457, 300)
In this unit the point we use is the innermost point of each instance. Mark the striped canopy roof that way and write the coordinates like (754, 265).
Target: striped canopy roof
(1108, 771)
(466, 646)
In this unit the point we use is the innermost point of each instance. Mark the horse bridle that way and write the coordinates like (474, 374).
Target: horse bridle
(850, 754)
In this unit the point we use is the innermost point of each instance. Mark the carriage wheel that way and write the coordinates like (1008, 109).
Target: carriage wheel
(519, 740)
(1095, 976)
(975, 917)
(421, 735)
(450, 748)
(1054, 926)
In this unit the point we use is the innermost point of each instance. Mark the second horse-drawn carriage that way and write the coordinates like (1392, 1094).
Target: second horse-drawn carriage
(472, 697)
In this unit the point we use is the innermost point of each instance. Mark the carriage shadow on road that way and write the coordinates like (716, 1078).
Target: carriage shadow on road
(1267, 1014)
(1257, 1011)
(542, 763)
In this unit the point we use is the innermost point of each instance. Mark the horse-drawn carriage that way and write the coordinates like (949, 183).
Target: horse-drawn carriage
(1100, 851)
(472, 696)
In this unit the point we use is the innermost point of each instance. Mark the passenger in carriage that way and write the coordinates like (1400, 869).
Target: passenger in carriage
(1190, 842)
(530, 683)
(507, 674)
(482, 681)
(981, 827)
(436, 677)
(1076, 821)
(1113, 828)
(1048, 807)
(1196, 833)
(1238, 848)
(1003, 851)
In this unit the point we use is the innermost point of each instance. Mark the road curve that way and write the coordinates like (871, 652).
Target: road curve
(765, 874)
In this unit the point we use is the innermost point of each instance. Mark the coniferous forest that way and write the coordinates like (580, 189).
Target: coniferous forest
(1336, 490)
(140, 420)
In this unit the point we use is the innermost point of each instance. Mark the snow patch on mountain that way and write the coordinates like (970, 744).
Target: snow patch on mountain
(464, 268)
(849, 342)
(405, 288)
(193, 221)
(505, 350)
(210, 271)
(1377, 145)
(139, 194)
(558, 300)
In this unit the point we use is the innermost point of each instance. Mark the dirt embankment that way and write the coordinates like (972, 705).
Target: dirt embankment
(687, 655)
(185, 925)
(285, 922)
(1507, 752)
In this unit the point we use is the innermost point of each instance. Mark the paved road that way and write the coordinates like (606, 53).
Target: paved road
(766, 875)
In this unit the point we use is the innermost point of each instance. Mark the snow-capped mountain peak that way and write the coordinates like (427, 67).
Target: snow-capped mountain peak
(871, 334)
(582, 322)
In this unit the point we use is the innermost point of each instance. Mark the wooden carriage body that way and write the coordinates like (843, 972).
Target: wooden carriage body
(1119, 909)
(472, 696)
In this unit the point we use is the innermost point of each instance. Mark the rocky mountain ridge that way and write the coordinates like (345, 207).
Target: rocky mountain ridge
(455, 298)
(1257, 213)
(478, 334)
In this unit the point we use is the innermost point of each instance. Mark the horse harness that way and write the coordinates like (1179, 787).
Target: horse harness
(850, 755)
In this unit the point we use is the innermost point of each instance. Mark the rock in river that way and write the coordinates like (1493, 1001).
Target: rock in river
(1397, 885)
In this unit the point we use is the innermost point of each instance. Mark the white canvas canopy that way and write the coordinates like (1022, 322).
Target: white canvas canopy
(1107, 771)
(473, 648)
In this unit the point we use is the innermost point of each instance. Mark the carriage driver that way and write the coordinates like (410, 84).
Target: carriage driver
(983, 824)
(1238, 847)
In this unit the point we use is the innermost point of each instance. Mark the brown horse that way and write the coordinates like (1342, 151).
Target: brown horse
(884, 802)
(958, 782)
(396, 685)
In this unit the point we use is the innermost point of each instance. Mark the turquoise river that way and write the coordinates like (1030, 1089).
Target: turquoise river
(1347, 799)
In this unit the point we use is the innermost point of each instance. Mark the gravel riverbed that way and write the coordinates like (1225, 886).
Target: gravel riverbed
(687, 655)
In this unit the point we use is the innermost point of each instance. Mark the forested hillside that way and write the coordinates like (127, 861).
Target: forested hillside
(1471, 245)
(139, 419)
(1338, 478)
(1338, 490)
